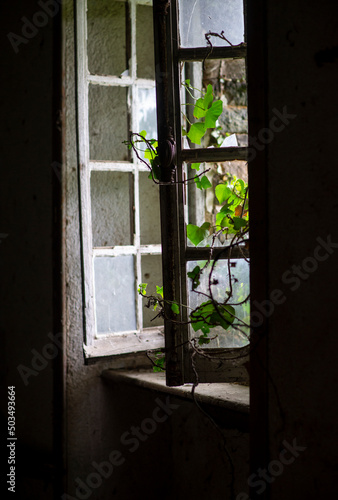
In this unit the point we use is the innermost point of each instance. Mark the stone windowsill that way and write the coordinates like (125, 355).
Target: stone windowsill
(232, 397)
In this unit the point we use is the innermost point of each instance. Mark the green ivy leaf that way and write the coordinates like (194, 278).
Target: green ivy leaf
(226, 210)
(159, 362)
(142, 288)
(209, 96)
(156, 170)
(199, 109)
(157, 369)
(224, 316)
(222, 193)
(195, 166)
(221, 221)
(213, 113)
(203, 339)
(241, 187)
(197, 234)
(150, 154)
(159, 290)
(194, 275)
(175, 308)
(196, 132)
(207, 316)
(239, 223)
(202, 182)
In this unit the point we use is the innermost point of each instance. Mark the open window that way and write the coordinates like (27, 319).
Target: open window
(201, 47)
(125, 241)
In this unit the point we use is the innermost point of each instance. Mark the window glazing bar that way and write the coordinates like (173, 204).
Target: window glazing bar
(213, 154)
(201, 53)
(204, 253)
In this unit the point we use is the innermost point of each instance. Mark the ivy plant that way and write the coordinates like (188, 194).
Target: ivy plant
(231, 220)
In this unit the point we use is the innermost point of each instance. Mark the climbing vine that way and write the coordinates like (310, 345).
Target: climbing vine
(231, 223)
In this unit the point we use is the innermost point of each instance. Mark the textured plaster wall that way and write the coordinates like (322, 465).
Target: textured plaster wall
(26, 251)
(302, 189)
(26, 215)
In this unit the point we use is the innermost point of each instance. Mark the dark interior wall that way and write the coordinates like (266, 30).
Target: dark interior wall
(302, 51)
(181, 457)
(26, 222)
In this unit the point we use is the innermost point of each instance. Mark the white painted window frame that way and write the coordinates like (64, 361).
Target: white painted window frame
(141, 339)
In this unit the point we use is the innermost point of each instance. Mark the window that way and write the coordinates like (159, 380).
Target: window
(181, 50)
(120, 207)
(120, 221)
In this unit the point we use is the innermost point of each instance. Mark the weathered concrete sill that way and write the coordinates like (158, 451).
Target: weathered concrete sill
(232, 397)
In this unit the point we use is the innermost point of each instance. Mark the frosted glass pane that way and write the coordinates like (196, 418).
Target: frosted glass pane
(231, 337)
(146, 115)
(198, 17)
(151, 274)
(149, 211)
(115, 294)
(147, 112)
(111, 199)
(145, 42)
(106, 29)
(108, 123)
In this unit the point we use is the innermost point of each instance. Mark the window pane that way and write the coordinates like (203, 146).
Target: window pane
(145, 42)
(151, 274)
(108, 123)
(198, 17)
(111, 198)
(203, 204)
(147, 112)
(115, 294)
(233, 92)
(238, 334)
(106, 29)
(228, 81)
(149, 211)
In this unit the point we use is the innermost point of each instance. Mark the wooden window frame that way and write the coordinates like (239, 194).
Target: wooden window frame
(181, 366)
(175, 254)
(141, 339)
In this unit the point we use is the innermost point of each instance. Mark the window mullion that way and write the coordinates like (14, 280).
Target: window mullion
(181, 195)
(133, 39)
(166, 114)
(134, 126)
(84, 170)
